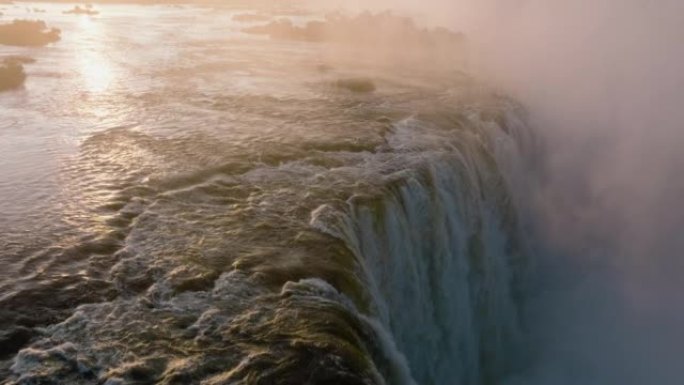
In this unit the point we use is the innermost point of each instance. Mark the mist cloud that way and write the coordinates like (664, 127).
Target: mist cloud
(603, 82)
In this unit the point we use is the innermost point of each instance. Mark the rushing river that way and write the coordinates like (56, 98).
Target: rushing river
(180, 209)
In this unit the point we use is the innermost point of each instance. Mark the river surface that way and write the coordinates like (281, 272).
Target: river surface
(182, 202)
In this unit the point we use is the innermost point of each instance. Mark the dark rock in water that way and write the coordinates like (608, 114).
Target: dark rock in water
(30, 33)
(250, 17)
(360, 85)
(86, 10)
(12, 75)
(12, 340)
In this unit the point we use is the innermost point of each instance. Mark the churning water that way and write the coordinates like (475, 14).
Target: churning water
(177, 209)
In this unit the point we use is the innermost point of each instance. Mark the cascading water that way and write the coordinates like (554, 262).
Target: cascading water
(443, 252)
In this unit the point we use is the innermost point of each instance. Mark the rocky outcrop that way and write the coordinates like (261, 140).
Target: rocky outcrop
(29, 33)
(86, 10)
(12, 75)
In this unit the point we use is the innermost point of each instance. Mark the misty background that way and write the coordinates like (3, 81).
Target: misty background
(602, 81)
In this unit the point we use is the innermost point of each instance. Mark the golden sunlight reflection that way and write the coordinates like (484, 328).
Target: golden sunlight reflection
(94, 66)
(96, 72)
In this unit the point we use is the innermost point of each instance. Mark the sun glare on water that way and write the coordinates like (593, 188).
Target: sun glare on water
(94, 65)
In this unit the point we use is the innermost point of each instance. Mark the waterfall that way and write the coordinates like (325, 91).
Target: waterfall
(443, 251)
